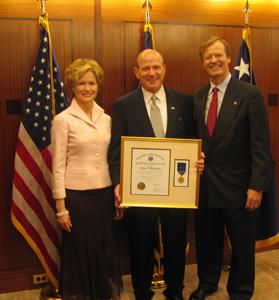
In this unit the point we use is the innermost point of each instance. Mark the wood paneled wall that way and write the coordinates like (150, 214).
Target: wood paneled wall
(229, 12)
(75, 28)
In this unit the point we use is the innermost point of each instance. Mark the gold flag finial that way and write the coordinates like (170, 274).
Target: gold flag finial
(147, 5)
(247, 12)
(43, 7)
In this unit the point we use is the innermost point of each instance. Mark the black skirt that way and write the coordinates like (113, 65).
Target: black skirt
(89, 263)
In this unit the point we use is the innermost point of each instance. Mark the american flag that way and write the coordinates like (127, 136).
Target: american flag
(32, 210)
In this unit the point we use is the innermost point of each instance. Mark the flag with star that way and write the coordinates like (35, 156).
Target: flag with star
(244, 68)
(32, 210)
(267, 219)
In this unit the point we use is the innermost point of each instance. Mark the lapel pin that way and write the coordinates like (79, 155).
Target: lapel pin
(235, 103)
(172, 108)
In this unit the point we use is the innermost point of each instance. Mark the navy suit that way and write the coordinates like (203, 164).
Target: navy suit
(237, 159)
(130, 118)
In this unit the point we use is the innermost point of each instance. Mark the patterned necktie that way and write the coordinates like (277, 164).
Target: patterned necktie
(212, 112)
(156, 118)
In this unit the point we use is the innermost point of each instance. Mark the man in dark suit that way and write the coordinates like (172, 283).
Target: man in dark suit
(233, 124)
(131, 116)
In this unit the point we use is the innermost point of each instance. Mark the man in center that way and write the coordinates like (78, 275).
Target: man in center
(136, 114)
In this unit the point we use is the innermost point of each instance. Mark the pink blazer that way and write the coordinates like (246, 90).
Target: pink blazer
(79, 149)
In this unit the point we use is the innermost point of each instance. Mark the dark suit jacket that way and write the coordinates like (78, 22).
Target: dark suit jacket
(130, 118)
(238, 153)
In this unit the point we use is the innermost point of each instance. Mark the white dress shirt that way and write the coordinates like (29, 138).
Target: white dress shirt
(221, 93)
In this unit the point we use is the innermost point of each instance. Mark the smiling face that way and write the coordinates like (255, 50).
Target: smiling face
(86, 88)
(150, 70)
(216, 62)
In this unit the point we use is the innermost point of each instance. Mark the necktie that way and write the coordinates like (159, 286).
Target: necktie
(156, 118)
(212, 111)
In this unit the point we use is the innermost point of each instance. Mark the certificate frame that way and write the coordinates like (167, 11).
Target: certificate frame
(159, 172)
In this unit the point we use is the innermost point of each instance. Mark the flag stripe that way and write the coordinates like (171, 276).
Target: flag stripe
(51, 276)
(47, 158)
(33, 168)
(35, 237)
(34, 219)
(33, 202)
(35, 188)
(35, 153)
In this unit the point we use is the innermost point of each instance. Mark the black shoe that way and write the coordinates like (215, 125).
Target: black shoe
(146, 296)
(239, 297)
(200, 294)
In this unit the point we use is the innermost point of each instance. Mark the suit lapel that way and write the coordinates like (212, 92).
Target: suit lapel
(76, 111)
(229, 108)
(140, 112)
(172, 112)
(200, 114)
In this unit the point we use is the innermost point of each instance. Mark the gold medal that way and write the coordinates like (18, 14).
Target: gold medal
(180, 179)
(141, 186)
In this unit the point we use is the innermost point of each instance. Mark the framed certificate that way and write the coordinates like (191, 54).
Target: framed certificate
(159, 172)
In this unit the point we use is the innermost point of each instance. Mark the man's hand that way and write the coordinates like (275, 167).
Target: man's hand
(119, 210)
(254, 199)
(200, 163)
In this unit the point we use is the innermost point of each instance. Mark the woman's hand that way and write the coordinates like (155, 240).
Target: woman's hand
(65, 222)
(63, 217)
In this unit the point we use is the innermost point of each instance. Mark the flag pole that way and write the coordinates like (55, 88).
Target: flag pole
(147, 12)
(43, 20)
(157, 280)
(247, 12)
(49, 292)
(246, 35)
(148, 27)
(43, 7)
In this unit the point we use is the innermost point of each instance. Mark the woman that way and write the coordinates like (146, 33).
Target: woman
(82, 189)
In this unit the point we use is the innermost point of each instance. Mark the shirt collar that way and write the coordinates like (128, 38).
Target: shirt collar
(159, 94)
(76, 110)
(221, 86)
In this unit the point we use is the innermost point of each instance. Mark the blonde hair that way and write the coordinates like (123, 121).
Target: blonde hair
(211, 40)
(81, 66)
